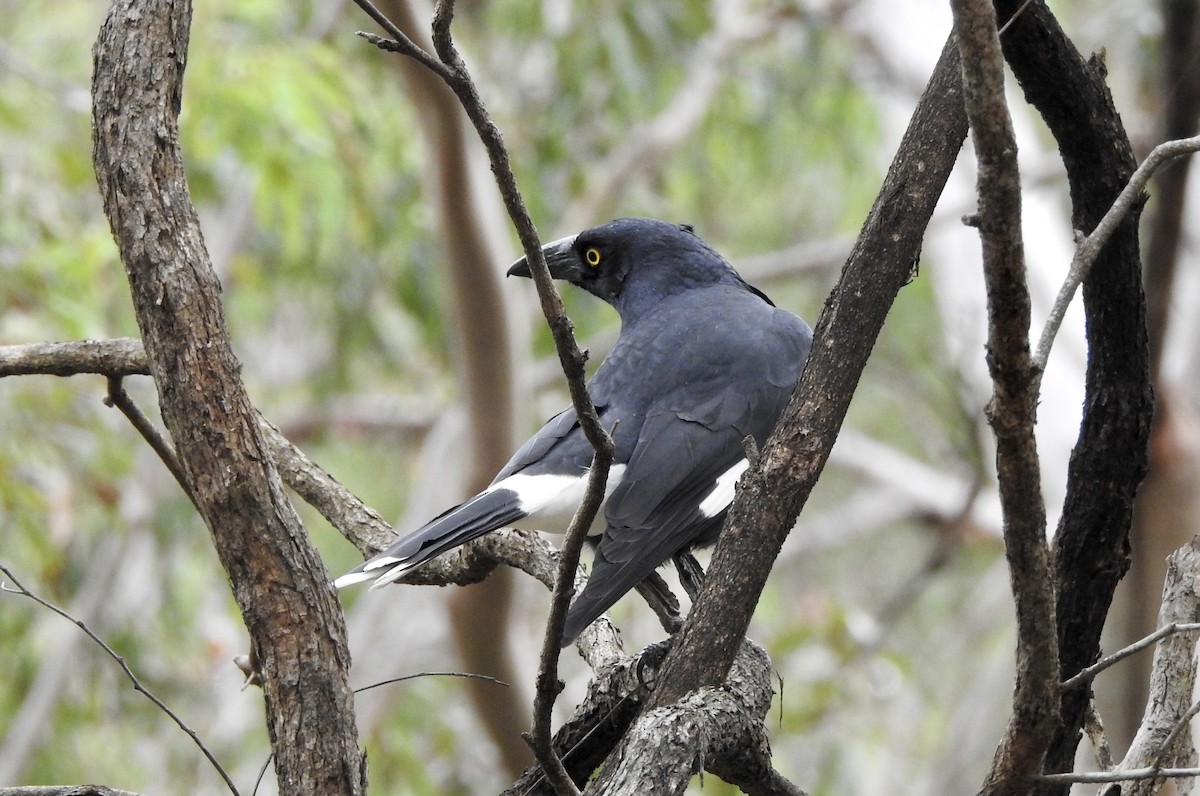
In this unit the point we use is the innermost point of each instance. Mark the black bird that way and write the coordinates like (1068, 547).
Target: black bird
(703, 361)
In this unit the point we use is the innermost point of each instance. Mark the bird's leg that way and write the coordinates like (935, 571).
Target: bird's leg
(691, 574)
(662, 601)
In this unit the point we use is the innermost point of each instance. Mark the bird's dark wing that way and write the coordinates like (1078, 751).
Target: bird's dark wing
(562, 432)
(678, 483)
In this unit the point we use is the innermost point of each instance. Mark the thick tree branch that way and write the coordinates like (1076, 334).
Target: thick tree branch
(772, 493)
(297, 631)
(719, 729)
(1091, 545)
(118, 357)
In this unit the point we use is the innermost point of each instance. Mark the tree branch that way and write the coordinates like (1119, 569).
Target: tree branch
(296, 627)
(117, 357)
(1089, 248)
(718, 729)
(772, 493)
(19, 588)
(1104, 663)
(1012, 411)
(1169, 703)
(118, 398)
(1091, 544)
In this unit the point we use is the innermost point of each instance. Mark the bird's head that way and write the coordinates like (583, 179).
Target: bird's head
(633, 263)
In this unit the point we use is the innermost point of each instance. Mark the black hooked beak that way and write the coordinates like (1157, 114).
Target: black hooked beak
(561, 257)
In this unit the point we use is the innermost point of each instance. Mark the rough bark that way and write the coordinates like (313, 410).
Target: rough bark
(1012, 411)
(297, 633)
(119, 357)
(1168, 506)
(773, 491)
(1091, 545)
(1171, 683)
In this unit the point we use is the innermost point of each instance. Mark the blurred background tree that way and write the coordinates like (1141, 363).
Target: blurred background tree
(333, 208)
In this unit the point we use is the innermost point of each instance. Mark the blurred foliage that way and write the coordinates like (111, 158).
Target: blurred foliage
(306, 164)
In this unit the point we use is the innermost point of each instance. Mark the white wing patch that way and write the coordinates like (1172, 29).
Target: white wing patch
(722, 493)
(550, 501)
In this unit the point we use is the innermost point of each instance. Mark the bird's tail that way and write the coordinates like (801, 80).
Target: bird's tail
(470, 520)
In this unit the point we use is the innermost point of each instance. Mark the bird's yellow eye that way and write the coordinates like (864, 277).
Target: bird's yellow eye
(592, 255)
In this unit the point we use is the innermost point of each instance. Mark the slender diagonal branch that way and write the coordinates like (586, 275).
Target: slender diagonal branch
(1089, 248)
(400, 42)
(20, 589)
(118, 398)
(1144, 643)
(1012, 411)
(456, 76)
(1131, 775)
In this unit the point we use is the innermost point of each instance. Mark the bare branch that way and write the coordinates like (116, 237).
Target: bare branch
(456, 76)
(65, 790)
(548, 684)
(400, 43)
(19, 589)
(117, 397)
(358, 522)
(772, 493)
(1133, 775)
(1169, 707)
(1012, 411)
(1089, 248)
(1090, 672)
(56, 662)
(403, 678)
(1091, 543)
(121, 356)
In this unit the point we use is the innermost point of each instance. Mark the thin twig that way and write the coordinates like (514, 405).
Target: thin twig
(1134, 648)
(1089, 248)
(1013, 18)
(540, 739)
(137, 684)
(468, 675)
(1131, 775)
(400, 43)
(454, 72)
(117, 397)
